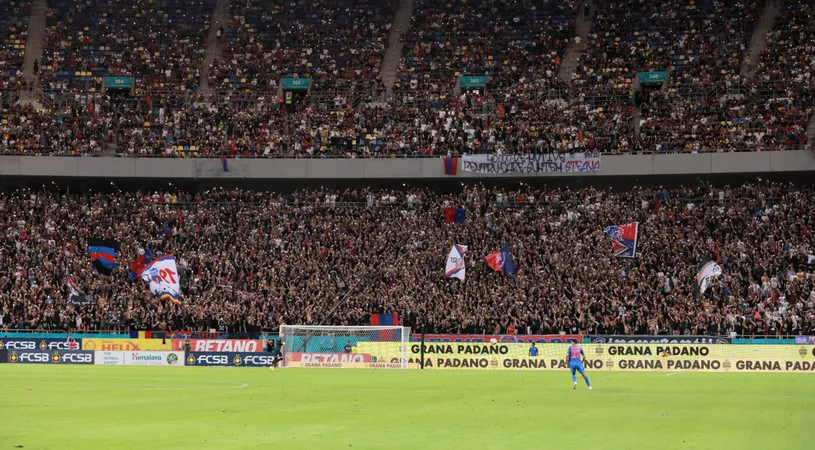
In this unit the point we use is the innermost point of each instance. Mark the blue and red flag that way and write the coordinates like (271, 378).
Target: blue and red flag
(450, 166)
(624, 239)
(388, 335)
(502, 260)
(138, 264)
(385, 319)
(460, 215)
(455, 215)
(103, 254)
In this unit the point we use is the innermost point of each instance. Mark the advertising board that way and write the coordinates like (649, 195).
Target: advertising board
(196, 335)
(154, 359)
(227, 359)
(540, 338)
(329, 357)
(109, 358)
(49, 357)
(221, 345)
(660, 340)
(127, 345)
(608, 357)
(38, 344)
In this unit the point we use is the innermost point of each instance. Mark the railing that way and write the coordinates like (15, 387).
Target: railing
(402, 203)
(9, 96)
(361, 154)
(11, 332)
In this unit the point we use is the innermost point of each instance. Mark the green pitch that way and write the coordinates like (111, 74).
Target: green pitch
(66, 407)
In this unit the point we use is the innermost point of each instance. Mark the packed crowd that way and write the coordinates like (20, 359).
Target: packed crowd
(254, 260)
(81, 129)
(701, 41)
(789, 54)
(160, 43)
(741, 123)
(338, 44)
(13, 32)
(501, 122)
(510, 41)
(519, 123)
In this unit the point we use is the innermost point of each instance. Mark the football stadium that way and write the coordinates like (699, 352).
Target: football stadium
(424, 224)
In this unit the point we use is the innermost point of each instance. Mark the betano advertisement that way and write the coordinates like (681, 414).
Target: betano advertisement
(127, 345)
(606, 357)
(341, 360)
(221, 345)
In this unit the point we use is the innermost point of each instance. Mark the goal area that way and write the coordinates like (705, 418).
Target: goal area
(365, 347)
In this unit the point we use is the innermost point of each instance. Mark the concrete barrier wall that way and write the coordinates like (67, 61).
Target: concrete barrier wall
(387, 168)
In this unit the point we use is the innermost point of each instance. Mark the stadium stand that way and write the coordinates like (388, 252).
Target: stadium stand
(509, 41)
(14, 25)
(339, 44)
(700, 42)
(161, 43)
(790, 53)
(257, 260)
(705, 104)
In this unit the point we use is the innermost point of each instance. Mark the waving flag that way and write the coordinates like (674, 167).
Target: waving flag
(707, 270)
(138, 264)
(103, 254)
(162, 274)
(624, 239)
(455, 262)
(75, 296)
(502, 260)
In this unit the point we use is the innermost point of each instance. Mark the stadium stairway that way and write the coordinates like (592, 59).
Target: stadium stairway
(393, 54)
(33, 50)
(759, 39)
(220, 17)
(573, 51)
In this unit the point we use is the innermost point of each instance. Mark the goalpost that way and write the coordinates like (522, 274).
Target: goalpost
(371, 347)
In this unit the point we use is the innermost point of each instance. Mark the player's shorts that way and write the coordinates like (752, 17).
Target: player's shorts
(577, 367)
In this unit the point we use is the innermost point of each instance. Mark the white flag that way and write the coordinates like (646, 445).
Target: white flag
(162, 274)
(455, 262)
(706, 271)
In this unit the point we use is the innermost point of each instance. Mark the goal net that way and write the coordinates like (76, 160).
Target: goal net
(345, 347)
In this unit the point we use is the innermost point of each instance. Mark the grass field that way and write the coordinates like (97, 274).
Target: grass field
(117, 407)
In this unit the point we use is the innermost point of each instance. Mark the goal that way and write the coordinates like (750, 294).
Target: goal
(345, 347)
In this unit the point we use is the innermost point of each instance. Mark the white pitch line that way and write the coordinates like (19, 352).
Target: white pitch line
(118, 387)
(673, 373)
(187, 388)
(568, 391)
